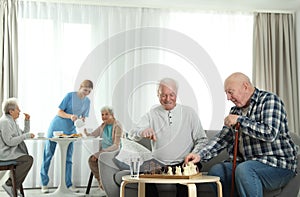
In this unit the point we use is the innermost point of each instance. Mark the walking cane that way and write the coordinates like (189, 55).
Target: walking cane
(236, 141)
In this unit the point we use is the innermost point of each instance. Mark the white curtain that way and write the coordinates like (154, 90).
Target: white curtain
(125, 51)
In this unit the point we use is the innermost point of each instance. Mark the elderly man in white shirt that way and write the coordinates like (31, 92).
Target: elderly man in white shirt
(174, 130)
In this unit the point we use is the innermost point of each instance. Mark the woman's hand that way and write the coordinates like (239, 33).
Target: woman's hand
(94, 158)
(27, 116)
(85, 132)
(32, 135)
(73, 117)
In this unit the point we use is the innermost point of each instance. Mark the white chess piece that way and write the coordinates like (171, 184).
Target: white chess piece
(193, 169)
(170, 171)
(190, 169)
(178, 170)
(186, 170)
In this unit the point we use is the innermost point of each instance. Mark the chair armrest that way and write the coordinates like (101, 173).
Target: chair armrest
(107, 159)
(107, 170)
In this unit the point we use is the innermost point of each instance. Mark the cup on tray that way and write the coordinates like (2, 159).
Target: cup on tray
(134, 167)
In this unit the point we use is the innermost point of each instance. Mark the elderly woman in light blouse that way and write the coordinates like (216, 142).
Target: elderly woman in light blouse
(111, 132)
(12, 146)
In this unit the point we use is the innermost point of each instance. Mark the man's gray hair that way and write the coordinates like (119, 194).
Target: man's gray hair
(9, 104)
(108, 108)
(169, 82)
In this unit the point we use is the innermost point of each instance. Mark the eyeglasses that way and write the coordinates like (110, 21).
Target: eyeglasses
(170, 118)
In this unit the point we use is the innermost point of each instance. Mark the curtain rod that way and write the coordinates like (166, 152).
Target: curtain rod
(141, 5)
(276, 11)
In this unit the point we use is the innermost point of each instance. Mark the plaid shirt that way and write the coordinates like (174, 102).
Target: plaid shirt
(264, 131)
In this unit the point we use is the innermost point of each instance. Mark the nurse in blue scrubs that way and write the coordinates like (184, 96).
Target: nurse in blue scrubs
(75, 105)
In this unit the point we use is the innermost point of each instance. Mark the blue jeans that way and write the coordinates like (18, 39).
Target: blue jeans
(48, 154)
(251, 177)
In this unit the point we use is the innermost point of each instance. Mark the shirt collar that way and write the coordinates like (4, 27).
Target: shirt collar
(255, 96)
(172, 110)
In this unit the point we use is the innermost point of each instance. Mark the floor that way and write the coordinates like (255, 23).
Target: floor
(37, 192)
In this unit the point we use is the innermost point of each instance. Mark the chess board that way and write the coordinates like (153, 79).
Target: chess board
(166, 176)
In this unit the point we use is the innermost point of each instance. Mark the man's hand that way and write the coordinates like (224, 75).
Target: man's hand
(192, 157)
(149, 133)
(230, 120)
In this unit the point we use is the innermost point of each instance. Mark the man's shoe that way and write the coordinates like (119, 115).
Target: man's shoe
(74, 189)
(44, 189)
(8, 189)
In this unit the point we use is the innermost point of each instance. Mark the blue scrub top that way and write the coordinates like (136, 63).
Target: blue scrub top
(71, 104)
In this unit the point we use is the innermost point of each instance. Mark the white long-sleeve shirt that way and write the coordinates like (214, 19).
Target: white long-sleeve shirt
(178, 132)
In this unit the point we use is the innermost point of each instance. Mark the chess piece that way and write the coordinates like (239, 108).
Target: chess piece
(170, 172)
(193, 169)
(190, 169)
(186, 170)
(178, 170)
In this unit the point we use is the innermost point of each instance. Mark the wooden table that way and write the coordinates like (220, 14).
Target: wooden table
(190, 183)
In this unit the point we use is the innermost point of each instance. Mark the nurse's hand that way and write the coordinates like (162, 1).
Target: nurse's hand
(73, 118)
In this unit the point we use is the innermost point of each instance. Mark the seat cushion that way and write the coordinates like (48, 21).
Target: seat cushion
(272, 193)
(7, 163)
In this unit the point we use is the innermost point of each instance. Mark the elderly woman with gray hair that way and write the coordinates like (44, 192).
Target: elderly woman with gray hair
(111, 132)
(12, 146)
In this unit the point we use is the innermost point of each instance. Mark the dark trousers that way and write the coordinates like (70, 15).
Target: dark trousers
(22, 169)
(181, 190)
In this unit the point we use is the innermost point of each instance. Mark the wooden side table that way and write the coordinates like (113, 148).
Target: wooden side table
(190, 183)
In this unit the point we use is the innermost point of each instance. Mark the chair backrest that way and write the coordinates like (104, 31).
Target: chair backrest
(295, 138)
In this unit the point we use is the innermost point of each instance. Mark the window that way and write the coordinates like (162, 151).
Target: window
(58, 43)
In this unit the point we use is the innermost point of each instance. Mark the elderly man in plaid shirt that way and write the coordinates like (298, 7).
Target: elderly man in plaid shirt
(267, 156)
